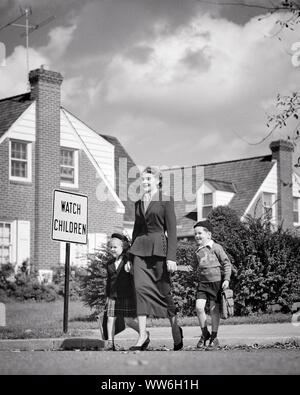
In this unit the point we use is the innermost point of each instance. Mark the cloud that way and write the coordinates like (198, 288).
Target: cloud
(177, 84)
(60, 39)
(13, 76)
(210, 78)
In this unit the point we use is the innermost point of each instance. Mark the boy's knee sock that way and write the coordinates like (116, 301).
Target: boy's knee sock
(205, 331)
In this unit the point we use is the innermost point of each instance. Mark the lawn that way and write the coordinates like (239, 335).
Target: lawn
(37, 320)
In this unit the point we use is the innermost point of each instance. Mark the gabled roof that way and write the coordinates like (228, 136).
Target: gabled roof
(121, 153)
(222, 185)
(11, 108)
(242, 176)
(246, 174)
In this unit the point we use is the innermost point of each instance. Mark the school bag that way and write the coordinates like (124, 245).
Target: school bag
(227, 304)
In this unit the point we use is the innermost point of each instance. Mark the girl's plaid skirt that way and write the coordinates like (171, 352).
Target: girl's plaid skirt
(121, 307)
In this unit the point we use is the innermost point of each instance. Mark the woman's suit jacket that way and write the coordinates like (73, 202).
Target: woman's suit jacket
(149, 236)
(119, 283)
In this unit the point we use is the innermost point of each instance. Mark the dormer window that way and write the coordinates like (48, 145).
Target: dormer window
(211, 194)
(207, 205)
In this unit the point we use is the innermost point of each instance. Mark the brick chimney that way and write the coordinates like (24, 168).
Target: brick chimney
(282, 152)
(45, 89)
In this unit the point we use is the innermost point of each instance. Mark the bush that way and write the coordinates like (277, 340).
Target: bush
(184, 284)
(75, 290)
(25, 285)
(266, 262)
(93, 282)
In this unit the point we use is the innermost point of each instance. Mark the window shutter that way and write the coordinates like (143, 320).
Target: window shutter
(13, 243)
(23, 241)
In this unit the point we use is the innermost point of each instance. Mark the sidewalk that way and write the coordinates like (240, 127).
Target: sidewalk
(231, 335)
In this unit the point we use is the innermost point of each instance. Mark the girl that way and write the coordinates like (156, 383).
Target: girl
(120, 293)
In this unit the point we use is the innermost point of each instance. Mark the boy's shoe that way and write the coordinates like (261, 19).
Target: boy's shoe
(202, 341)
(213, 345)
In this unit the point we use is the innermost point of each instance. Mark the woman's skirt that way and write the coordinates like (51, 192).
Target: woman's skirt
(120, 307)
(153, 287)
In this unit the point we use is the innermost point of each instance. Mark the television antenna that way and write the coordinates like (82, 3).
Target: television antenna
(28, 29)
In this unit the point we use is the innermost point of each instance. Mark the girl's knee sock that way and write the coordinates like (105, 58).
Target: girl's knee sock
(205, 331)
(213, 335)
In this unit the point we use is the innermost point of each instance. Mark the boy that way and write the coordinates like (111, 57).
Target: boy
(214, 271)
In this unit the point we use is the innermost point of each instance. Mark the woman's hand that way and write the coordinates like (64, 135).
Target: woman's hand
(128, 267)
(171, 266)
(225, 284)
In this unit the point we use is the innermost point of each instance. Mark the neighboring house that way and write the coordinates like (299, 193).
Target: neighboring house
(44, 147)
(260, 186)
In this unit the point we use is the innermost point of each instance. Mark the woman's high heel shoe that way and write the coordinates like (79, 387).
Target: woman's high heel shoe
(179, 346)
(144, 346)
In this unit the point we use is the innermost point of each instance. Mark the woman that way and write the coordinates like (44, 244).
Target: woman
(153, 256)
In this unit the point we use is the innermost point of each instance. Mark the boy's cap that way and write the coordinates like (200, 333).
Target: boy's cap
(205, 224)
(118, 236)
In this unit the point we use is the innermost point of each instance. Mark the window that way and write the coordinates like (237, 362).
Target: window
(69, 167)
(296, 204)
(5, 236)
(207, 206)
(269, 205)
(19, 161)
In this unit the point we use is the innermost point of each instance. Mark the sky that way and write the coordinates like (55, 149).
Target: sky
(179, 83)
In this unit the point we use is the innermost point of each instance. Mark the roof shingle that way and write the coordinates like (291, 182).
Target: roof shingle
(11, 109)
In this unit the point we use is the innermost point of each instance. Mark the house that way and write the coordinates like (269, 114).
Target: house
(44, 147)
(259, 186)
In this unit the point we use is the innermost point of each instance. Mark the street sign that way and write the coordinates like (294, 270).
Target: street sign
(69, 224)
(69, 219)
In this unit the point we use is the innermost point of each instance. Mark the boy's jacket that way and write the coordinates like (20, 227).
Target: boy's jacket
(212, 264)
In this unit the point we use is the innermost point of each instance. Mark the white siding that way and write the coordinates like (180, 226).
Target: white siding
(96, 241)
(296, 185)
(270, 182)
(68, 137)
(223, 198)
(101, 150)
(78, 254)
(24, 127)
(269, 185)
(205, 188)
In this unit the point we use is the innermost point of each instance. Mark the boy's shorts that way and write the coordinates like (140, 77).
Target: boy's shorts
(210, 291)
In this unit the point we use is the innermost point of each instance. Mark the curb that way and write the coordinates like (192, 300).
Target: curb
(90, 344)
(63, 344)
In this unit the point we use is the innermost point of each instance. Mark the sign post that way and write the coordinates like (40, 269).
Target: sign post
(66, 294)
(69, 224)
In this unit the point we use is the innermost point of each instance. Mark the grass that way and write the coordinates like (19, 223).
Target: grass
(42, 320)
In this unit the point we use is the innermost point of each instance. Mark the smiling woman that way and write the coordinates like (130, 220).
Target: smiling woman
(153, 257)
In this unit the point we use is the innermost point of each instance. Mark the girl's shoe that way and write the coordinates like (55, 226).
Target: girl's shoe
(202, 341)
(144, 346)
(110, 346)
(213, 345)
(179, 345)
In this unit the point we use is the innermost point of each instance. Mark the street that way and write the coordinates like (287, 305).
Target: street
(259, 362)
